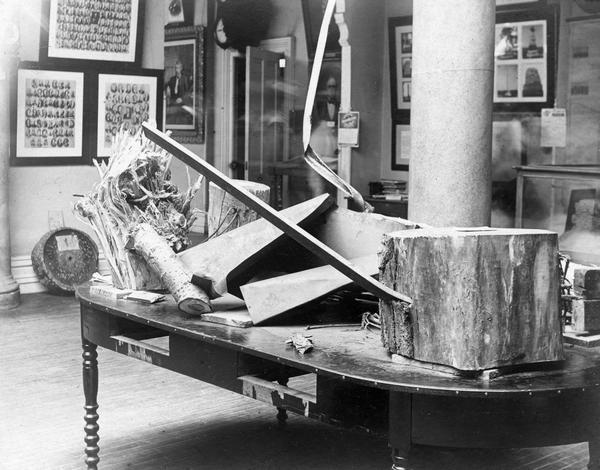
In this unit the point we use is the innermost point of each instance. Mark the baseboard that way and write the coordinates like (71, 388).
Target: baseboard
(29, 283)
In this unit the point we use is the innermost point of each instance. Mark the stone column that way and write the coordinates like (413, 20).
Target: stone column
(9, 38)
(451, 112)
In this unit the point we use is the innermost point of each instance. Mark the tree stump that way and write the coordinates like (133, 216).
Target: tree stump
(481, 298)
(63, 259)
(225, 212)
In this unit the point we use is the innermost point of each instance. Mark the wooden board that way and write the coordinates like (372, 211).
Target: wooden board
(263, 209)
(582, 339)
(355, 234)
(239, 318)
(272, 297)
(586, 282)
(227, 257)
(586, 315)
(481, 298)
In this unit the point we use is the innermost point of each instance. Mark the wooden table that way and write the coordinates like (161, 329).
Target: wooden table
(357, 384)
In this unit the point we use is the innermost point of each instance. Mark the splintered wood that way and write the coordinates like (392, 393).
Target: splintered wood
(481, 298)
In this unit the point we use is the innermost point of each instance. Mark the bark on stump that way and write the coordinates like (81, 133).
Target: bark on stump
(172, 272)
(225, 212)
(481, 298)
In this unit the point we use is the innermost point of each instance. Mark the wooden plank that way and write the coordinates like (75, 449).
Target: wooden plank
(586, 282)
(269, 298)
(222, 263)
(586, 315)
(355, 234)
(238, 318)
(263, 209)
(230, 311)
(582, 339)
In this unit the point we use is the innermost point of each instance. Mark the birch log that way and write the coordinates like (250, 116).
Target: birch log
(171, 270)
(481, 298)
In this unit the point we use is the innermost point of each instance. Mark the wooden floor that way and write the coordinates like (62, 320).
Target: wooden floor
(151, 418)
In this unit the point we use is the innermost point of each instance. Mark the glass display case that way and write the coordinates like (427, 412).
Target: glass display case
(566, 200)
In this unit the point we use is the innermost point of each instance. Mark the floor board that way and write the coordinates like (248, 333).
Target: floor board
(153, 419)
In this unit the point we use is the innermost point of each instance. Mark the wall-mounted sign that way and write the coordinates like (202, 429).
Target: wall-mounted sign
(348, 124)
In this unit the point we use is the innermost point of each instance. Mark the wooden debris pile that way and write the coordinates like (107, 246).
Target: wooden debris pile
(135, 187)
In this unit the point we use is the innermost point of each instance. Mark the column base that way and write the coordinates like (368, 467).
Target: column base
(10, 300)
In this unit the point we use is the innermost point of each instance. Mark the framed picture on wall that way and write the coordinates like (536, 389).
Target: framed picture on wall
(184, 83)
(524, 58)
(400, 146)
(126, 101)
(48, 122)
(400, 48)
(107, 30)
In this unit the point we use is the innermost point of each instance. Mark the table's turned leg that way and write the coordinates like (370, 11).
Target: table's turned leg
(399, 460)
(594, 448)
(400, 431)
(90, 389)
(282, 415)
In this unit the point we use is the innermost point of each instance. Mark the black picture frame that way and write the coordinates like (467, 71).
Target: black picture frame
(312, 13)
(48, 123)
(536, 20)
(119, 100)
(400, 146)
(113, 35)
(185, 115)
(400, 51)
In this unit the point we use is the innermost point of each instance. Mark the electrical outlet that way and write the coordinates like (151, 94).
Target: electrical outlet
(55, 220)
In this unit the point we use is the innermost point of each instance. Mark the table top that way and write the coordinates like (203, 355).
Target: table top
(356, 355)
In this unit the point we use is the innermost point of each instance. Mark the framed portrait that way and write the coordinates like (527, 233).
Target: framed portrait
(126, 101)
(524, 58)
(184, 83)
(48, 123)
(400, 146)
(93, 30)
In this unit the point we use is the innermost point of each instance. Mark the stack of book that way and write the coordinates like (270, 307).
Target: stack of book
(389, 190)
